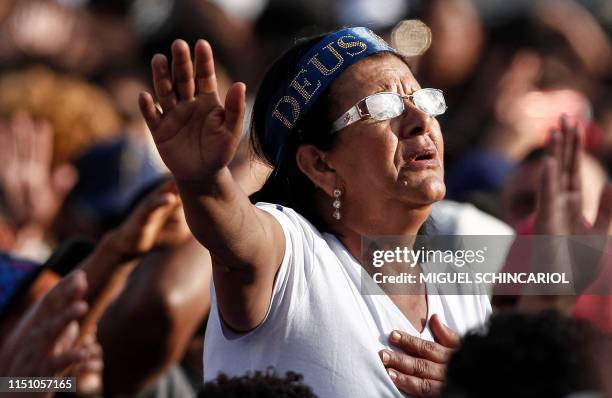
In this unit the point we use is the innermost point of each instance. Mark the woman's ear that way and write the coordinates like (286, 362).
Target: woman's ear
(312, 162)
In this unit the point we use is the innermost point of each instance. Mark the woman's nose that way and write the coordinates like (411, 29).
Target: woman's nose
(413, 122)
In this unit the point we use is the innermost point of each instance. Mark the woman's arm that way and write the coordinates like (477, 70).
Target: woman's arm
(197, 137)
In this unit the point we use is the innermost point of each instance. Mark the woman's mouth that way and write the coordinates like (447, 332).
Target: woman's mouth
(423, 158)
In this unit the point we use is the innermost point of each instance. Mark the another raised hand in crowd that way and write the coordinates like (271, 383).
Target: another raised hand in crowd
(559, 213)
(32, 191)
(97, 282)
(559, 204)
(153, 319)
(42, 343)
(113, 259)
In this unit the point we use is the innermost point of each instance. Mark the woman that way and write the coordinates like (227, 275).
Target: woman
(351, 163)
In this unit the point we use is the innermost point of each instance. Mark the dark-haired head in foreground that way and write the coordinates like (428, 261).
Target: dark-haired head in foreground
(525, 355)
(258, 385)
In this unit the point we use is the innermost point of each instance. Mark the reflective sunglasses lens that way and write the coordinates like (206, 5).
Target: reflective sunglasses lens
(384, 106)
(430, 101)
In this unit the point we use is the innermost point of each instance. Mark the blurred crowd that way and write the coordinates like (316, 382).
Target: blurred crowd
(100, 277)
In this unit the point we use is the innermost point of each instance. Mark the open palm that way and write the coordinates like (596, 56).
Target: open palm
(195, 134)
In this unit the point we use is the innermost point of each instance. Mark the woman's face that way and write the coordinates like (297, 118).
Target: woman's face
(390, 162)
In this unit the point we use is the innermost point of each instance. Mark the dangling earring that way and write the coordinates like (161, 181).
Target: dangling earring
(336, 204)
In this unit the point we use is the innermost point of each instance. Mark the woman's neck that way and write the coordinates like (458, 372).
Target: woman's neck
(410, 299)
(351, 234)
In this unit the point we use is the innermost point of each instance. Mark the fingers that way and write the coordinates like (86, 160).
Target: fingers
(162, 206)
(67, 338)
(58, 330)
(23, 132)
(149, 111)
(442, 333)
(7, 154)
(70, 289)
(153, 204)
(181, 84)
(574, 156)
(62, 361)
(50, 327)
(420, 348)
(182, 70)
(140, 231)
(205, 78)
(410, 365)
(603, 220)
(162, 82)
(234, 108)
(94, 355)
(570, 156)
(43, 147)
(415, 386)
(63, 179)
(550, 183)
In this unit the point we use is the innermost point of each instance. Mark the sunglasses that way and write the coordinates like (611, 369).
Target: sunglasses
(387, 105)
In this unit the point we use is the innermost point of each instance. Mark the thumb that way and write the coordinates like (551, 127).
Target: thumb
(442, 333)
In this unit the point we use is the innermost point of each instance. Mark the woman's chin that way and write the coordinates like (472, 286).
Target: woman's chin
(427, 190)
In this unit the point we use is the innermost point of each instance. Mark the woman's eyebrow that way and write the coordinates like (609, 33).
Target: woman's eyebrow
(386, 86)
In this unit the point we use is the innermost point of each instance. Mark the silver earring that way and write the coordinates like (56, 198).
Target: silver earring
(336, 204)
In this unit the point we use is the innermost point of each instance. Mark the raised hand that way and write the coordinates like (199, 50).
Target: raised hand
(197, 137)
(195, 134)
(33, 190)
(42, 342)
(559, 206)
(145, 226)
(570, 244)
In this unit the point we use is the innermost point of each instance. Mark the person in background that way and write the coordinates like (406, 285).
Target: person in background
(258, 385)
(47, 119)
(111, 173)
(336, 177)
(41, 344)
(105, 269)
(518, 204)
(32, 190)
(530, 355)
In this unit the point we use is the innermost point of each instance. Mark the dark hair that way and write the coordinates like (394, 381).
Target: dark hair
(287, 185)
(258, 385)
(526, 355)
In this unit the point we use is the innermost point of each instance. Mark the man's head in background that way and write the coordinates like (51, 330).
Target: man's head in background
(259, 385)
(529, 355)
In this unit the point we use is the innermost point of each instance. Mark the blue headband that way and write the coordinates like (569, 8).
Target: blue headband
(315, 71)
